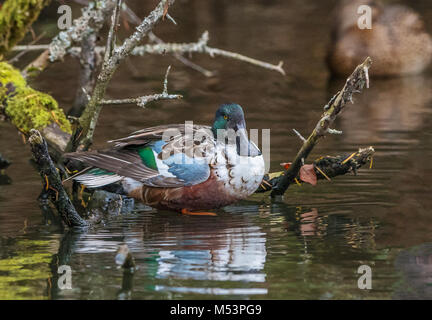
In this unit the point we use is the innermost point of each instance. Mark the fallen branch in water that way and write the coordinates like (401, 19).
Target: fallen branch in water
(324, 168)
(52, 183)
(354, 84)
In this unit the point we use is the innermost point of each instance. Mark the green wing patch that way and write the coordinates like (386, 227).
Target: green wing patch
(147, 157)
(100, 172)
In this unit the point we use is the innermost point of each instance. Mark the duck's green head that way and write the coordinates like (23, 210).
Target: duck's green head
(230, 117)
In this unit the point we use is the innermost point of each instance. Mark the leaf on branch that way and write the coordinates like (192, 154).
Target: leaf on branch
(307, 174)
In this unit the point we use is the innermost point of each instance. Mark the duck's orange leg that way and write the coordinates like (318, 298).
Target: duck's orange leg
(187, 212)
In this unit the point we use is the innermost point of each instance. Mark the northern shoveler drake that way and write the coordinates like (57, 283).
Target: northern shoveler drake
(397, 42)
(181, 167)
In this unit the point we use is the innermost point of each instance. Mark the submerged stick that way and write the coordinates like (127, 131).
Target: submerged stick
(124, 257)
(52, 183)
(358, 79)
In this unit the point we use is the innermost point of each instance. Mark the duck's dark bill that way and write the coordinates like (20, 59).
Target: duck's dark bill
(244, 146)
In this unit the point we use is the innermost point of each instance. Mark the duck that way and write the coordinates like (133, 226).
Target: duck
(188, 168)
(397, 42)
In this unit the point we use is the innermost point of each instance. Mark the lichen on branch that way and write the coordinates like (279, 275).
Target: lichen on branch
(91, 21)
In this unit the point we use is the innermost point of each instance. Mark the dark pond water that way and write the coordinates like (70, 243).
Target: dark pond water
(310, 245)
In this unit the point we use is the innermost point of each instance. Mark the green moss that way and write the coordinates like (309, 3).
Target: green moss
(30, 109)
(26, 107)
(16, 16)
(10, 74)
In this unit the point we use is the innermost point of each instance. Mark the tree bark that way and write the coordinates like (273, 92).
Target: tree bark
(53, 186)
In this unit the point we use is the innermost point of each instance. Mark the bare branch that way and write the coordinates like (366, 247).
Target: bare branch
(201, 47)
(182, 59)
(87, 77)
(90, 115)
(354, 84)
(144, 100)
(19, 55)
(110, 44)
(299, 135)
(177, 49)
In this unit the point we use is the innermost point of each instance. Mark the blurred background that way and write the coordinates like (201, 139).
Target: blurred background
(307, 247)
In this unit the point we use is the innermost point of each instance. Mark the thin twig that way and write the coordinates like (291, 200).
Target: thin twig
(144, 100)
(19, 55)
(299, 135)
(201, 47)
(182, 59)
(110, 43)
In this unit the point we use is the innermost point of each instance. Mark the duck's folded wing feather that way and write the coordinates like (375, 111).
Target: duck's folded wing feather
(125, 164)
(161, 156)
(147, 135)
(171, 172)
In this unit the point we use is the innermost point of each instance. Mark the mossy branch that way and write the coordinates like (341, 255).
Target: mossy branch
(16, 17)
(29, 109)
(358, 79)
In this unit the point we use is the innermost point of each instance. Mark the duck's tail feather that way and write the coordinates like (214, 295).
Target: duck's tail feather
(96, 178)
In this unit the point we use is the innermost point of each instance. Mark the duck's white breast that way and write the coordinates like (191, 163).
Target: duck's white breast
(241, 175)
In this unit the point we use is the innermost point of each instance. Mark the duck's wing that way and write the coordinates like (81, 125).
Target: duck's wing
(179, 160)
(163, 132)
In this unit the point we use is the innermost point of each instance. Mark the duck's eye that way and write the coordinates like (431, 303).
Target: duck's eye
(225, 117)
